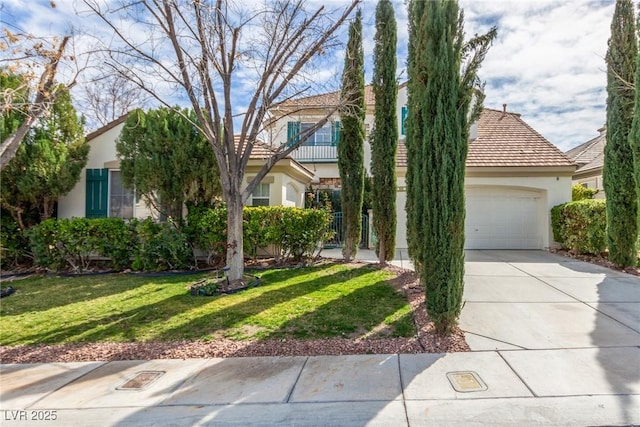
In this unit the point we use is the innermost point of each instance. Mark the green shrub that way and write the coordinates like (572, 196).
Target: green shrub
(75, 242)
(303, 231)
(113, 239)
(207, 230)
(580, 192)
(161, 246)
(557, 222)
(14, 245)
(581, 226)
(255, 229)
(43, 239)
(292, 233)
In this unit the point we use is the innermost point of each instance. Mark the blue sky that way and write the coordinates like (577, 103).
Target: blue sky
(547, 62)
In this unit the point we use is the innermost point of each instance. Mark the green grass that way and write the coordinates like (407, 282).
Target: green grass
(318, 302)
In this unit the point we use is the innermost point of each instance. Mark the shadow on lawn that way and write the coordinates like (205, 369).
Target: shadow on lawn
(211, 323)
(125, 324)
(71, 290)
(344, 316)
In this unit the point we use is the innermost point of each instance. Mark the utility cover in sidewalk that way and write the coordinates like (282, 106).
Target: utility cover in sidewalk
(466, 381)
(141, 380)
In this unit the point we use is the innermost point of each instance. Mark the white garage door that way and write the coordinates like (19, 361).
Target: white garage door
(503, 218)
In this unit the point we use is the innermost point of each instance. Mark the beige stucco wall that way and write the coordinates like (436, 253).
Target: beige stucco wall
(102, 154)
(554, 189)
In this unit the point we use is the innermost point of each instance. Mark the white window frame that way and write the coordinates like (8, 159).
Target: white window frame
(259, 194)
(325, 132)
(110, 195)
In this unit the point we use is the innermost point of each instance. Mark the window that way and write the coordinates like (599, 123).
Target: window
(329, 134)
(106, 196)
(120, 198)
(322, 136)
(402, 120)
(260, 195)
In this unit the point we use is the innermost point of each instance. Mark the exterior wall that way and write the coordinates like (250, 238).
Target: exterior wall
(284, 189)
(102, 154)
(555, 189)
(327, 167)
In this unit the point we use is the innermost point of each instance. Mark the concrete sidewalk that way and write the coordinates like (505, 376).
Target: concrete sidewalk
(556, 342)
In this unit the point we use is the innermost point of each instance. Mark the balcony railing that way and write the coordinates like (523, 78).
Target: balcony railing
(316, 153)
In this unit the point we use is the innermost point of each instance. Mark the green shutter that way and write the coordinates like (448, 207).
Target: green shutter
(97, 193)
(293, 133)
(335, 132)
(404, 117)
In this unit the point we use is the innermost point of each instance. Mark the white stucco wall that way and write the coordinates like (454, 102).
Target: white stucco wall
(102, 154)
(553, 189)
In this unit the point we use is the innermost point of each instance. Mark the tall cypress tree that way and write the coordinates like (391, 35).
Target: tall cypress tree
(634, 136)
(351, 145)
(413, 128)
(618, 172)
(384, 138)
(444, 99)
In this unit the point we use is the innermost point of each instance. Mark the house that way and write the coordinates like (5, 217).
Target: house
(589, 157)
(100, 192)
(514, 176)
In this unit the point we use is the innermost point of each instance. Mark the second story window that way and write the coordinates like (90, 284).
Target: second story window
(322, 136)
(329, 134)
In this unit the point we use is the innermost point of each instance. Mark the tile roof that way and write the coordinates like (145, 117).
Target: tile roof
(597, 163)
(505, 140)
(328, 99)
(590, 155)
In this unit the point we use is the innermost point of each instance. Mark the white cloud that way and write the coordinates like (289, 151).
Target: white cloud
(546, 63)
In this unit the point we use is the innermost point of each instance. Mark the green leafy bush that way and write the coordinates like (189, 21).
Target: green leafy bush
(292, 233)
(43, 239)
(581, 226)
(557, 223)
(161, 246)
(256, 225)
(113, 239)
(579, 192)
(207, 230)
(75, 242)
(14, 245)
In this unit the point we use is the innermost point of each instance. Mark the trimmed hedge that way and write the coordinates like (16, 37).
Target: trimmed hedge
(291, 233)
(581, 226)
(73, 243)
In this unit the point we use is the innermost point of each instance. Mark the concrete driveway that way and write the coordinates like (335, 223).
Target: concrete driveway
(538, 300)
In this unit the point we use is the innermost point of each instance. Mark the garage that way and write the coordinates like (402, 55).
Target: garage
(504, 218)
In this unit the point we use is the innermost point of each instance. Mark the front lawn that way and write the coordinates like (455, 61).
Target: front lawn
(333, 300)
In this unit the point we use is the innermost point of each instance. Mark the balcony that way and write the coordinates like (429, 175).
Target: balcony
(316, 154)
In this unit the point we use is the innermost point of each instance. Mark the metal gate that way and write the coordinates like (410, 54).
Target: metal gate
(338, 237)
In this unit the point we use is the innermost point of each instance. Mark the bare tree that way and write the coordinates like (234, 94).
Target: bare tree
(201, 50)
(109, 96)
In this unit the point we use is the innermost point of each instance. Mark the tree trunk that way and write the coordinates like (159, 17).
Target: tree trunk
(382, 252)
(235, 256)
(9, 146)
